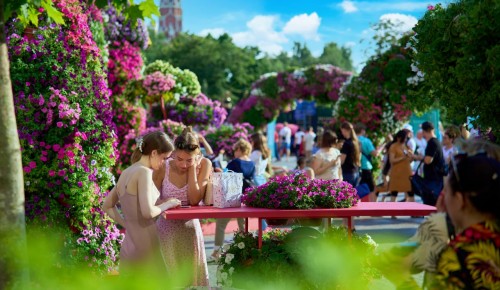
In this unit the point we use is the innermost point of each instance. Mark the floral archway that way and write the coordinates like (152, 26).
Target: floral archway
(278, 91)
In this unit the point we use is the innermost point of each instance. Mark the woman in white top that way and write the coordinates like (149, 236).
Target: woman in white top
(326, 162)
(261, 157)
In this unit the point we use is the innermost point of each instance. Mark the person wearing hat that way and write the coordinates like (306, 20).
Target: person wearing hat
(411, 143)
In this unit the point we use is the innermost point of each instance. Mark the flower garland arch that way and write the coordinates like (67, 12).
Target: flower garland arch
(273, 92)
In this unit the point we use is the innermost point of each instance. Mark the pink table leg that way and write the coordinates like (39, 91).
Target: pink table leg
(349, 227)
(260, 233)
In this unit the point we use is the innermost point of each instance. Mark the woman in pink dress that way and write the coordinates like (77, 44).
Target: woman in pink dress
(185, 177)
(137, 195)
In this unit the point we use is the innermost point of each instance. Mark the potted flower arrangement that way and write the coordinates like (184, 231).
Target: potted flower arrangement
(300, 192)
(300, 258)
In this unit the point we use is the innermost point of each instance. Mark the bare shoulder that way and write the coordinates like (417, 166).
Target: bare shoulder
(206, 163)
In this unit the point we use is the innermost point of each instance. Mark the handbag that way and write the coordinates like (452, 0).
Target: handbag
(420, 188)
(227, 188)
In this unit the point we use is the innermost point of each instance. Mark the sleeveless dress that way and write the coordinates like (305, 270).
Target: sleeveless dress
(141, 237)
(328, 156)
(399, 176)
(181, 241)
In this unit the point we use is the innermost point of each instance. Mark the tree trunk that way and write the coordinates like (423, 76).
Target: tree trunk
(12, 224)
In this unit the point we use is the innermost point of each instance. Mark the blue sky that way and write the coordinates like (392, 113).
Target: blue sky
(274, 25)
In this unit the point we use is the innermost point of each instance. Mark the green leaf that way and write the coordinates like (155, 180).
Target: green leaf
(101, 3)
(12, 7)
(132, 13)
(33, 15)
(52, 12)
(149, 8)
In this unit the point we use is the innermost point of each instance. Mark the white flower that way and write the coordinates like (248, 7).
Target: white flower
(28, 183)
(241, 245)
(231, 270)
(226, 247)
(224, 276)
(229, 258)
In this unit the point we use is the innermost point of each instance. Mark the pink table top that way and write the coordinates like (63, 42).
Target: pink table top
(361, 209)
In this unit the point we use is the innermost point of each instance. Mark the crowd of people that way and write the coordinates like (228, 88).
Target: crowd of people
(166, 174)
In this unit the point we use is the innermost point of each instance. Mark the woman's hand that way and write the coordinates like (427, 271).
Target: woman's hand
(170, 203)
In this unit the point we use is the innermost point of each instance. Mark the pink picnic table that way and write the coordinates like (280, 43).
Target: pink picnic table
(361, 209)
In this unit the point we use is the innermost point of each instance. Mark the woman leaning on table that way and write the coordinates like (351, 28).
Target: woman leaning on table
(184, 177)
(137, 195)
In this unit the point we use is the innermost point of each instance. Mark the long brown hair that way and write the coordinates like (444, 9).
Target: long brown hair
(187, 140)
(156, 140)
(329, 139)
(357, 152)
(259, 143)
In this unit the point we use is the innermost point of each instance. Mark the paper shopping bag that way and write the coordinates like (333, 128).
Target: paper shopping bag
(227, 188)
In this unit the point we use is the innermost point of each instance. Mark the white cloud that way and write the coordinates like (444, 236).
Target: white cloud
(304, 25)
(349, 44)
(348, 6)
(261, 33)
(403, 23)
(215, 32)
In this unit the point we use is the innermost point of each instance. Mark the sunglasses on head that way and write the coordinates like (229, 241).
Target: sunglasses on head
(184, 146)
(461, 157)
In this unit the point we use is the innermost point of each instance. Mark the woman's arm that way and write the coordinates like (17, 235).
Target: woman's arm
(146, 198)
(320, 167)
(109, 207)
(207, 146)
(197, 183)
(392, 156)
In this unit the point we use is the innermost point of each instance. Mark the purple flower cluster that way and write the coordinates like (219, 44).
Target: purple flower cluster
(117, 28)
(300, 192)
(198, 111)
(224, 137)
(274, 92)
(64, 121)
(156, 85)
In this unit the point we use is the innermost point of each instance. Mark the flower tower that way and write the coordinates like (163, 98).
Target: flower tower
(66, 133)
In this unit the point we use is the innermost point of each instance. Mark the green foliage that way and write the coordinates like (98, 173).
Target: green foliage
(225, 69)
(302, 258)
(457, 47)
(378, 97)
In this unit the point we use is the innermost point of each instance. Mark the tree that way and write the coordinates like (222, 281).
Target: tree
(12, 222)
(220, 65)
(340, 57)
(302, 56)
(457, 50)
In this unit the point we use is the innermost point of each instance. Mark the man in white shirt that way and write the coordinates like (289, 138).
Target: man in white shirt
(309, 142)
(412, 145)
(299, 138)
(286, 139)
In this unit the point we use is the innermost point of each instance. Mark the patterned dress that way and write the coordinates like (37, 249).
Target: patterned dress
(472, 259)
(181, 241)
